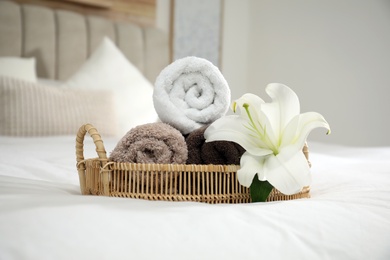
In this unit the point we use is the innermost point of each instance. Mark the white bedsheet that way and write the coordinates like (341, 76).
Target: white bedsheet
(43, 215)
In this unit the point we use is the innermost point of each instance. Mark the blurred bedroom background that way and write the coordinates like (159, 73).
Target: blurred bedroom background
(334, 54)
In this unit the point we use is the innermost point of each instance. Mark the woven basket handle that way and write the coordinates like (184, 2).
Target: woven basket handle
(97, 139)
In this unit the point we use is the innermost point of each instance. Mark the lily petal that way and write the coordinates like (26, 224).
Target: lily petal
(298, 129)
(284, 106)
(250, 165)
(249, 98)
(288, 171)
(233, 128)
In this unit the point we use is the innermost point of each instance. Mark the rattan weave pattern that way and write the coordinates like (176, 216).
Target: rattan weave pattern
(169, 182)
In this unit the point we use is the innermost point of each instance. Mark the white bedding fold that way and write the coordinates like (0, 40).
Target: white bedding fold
(190, 93)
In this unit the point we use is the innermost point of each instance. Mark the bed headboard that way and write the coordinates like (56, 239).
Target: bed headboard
(61, 41)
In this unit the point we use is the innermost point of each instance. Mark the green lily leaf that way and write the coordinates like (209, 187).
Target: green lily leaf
(260, 190)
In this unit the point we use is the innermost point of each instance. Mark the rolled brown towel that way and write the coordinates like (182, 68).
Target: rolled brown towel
(151, 143)
(217, 152)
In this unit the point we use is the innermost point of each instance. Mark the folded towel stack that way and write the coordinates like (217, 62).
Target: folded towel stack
(189, 93)
(151, 143)
(218, 152)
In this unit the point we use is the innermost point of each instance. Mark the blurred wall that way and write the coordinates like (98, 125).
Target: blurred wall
(334, 54)
(196, 29)
(163, 12)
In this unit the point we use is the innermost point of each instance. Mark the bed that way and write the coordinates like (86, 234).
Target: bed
(44, 216)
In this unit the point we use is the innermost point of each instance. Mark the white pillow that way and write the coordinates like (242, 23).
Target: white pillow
(108, 68)
(20, 68)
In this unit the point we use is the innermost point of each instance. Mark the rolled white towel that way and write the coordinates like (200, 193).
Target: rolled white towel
(189, 93)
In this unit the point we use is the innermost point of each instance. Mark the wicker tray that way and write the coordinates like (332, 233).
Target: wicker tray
(170, 182)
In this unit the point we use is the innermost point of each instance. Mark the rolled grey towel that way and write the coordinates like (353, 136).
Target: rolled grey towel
(151, 143)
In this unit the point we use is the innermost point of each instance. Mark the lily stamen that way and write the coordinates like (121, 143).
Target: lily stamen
(263, 135)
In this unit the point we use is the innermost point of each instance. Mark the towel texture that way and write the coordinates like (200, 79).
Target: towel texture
(189, 93)
(151, 143)
(217, 152)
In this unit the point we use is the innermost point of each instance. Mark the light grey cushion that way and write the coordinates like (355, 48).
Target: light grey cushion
(30, 109)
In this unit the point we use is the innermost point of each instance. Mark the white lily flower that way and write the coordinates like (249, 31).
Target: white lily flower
(273, 135)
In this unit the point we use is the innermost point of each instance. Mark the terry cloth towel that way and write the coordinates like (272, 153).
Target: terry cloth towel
(189, 93)
(217, 152)
(151, 143)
